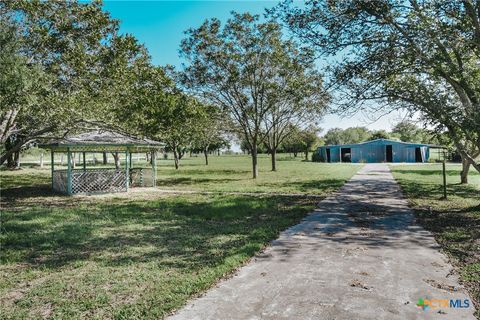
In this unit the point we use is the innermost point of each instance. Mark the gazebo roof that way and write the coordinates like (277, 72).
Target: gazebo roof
(102, 140)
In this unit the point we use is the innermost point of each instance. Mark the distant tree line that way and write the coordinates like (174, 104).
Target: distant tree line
(298, 141)
(406, 131)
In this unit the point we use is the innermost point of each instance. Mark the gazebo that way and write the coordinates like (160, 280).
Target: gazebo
(74, 180)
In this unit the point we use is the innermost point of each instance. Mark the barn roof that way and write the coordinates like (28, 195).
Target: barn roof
(381, 141)
(102, 140)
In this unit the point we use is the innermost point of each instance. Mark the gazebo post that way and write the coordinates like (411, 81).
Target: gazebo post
(84, 162)
(69, 172)
(52, 156)
(127, 171)
(154, 168)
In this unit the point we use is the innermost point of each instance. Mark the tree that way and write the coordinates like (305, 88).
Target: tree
(293, 142)
(297, 98)
(344, 136)
(379, 134)
(209, 130)
(409, 132)
(250, 71)
(19, 85)
(157, 109)
(422, 56)
(309, 138)
(73, 47)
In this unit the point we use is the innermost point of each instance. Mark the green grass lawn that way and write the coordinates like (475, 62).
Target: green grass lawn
(455, 222)
(233, 174)
(143, 254)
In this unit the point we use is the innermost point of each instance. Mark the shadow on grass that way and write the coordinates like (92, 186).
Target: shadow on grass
(456, 230)
(172, 181)
(433, 191)
(428, 172)
(318, 186)
(12, 194)
(178, 232)
(209, 172)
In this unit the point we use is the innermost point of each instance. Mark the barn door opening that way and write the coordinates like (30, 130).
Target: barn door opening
(346, 155)
(418, 155)
(389, 153)
(328, 155)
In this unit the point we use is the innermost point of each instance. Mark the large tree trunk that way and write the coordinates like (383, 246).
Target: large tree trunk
(13, 160)
(306, 155)
(205, 152)
(273, 154)
(105, 159)
(11, 148)
(470, 158)
(11, 153)
(7, 123)
(254, 161)
(465, 169)
(116, 158)
(17, 159)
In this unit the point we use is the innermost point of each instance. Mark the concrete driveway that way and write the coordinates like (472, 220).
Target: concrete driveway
(358, 256)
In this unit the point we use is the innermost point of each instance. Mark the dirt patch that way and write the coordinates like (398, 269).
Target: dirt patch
(440, 285)
(358, 284)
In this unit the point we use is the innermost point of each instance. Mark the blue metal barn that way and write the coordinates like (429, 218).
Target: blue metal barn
(380, 150)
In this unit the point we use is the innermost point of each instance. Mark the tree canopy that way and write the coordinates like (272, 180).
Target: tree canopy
(422, 56)
(67, 55)
(260, 79)
(349, 135)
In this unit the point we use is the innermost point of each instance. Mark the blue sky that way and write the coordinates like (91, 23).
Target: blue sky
(160, 25)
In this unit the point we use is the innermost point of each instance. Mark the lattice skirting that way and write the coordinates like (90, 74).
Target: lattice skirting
(101, 180)
(98, 181)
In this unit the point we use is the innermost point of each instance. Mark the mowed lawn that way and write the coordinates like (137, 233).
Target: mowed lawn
(143, 254)
(455, 222)
(233, 174)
